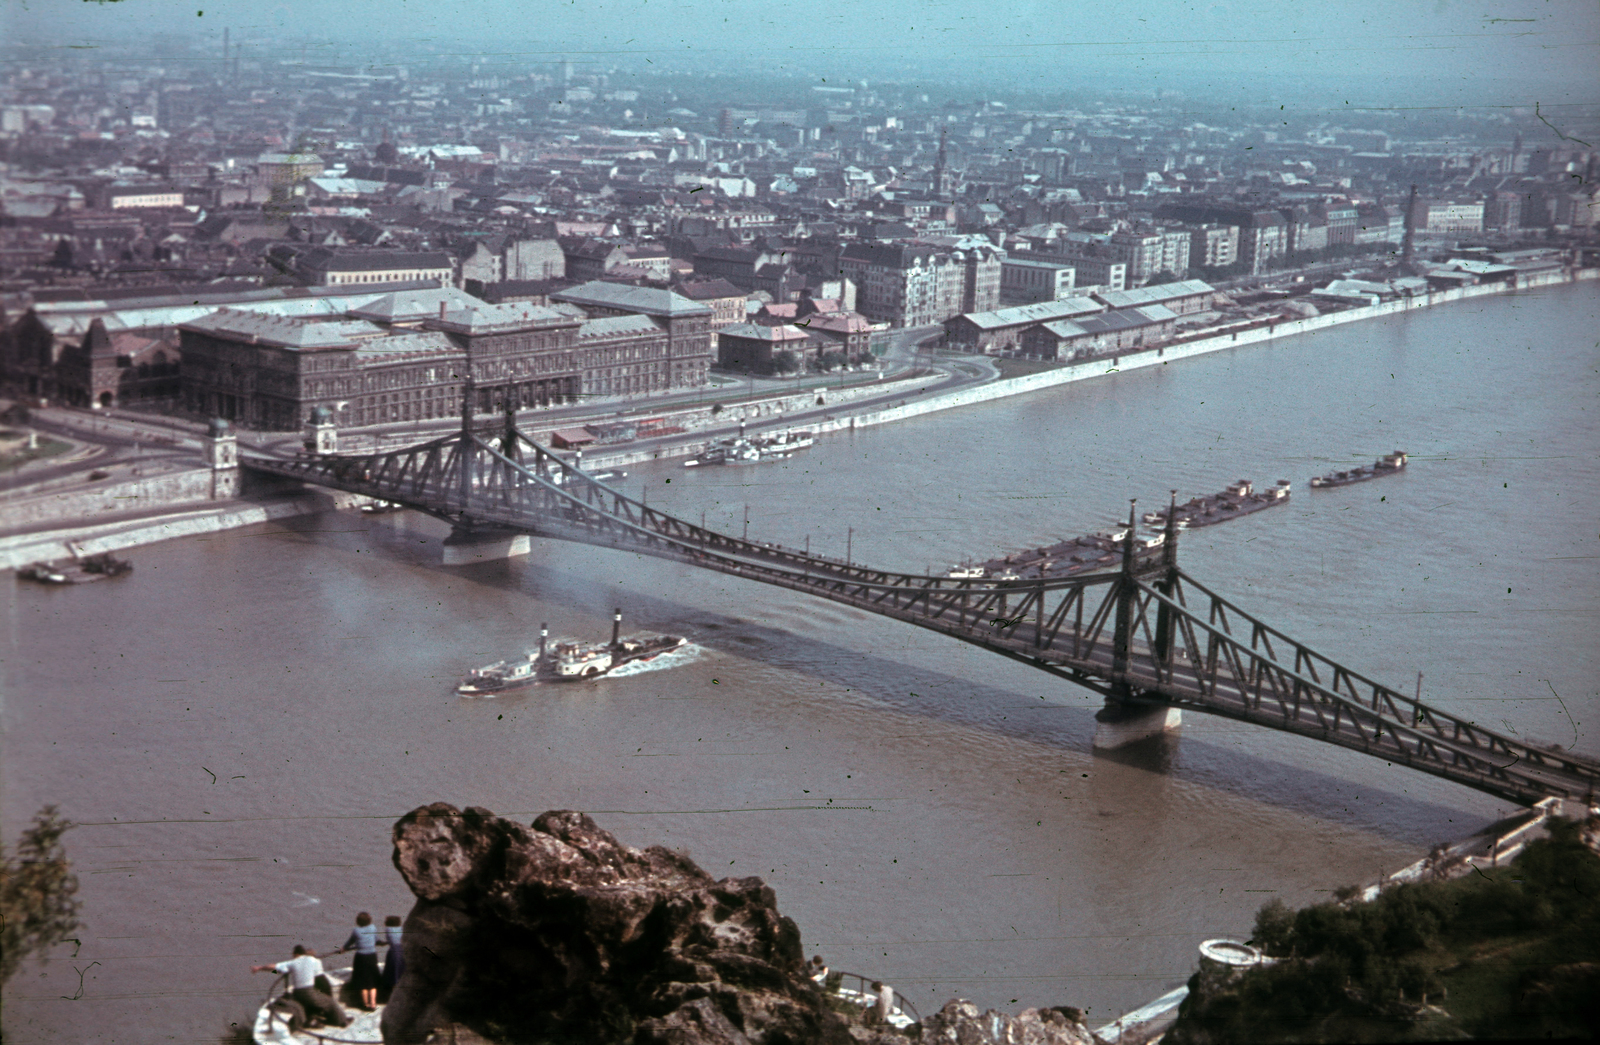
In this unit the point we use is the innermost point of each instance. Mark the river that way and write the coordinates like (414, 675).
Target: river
(237, 724)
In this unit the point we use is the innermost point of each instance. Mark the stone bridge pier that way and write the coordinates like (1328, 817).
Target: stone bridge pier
(469, 544)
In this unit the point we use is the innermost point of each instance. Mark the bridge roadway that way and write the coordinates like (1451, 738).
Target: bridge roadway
(1146, 636)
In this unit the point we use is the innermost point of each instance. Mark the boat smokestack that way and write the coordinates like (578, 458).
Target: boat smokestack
(544, 636)
(616, 627)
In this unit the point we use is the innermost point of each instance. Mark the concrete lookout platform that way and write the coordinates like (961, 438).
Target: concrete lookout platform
(465, 547)
(1118, 726)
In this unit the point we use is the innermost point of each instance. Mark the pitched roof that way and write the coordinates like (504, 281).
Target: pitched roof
(706, 290)
(280, 331)
(1039, 312)
(650, 301)
(375, 260)
(618, 326)
(756, 332)
(1153, 294)
(484, 318)
(412, 305)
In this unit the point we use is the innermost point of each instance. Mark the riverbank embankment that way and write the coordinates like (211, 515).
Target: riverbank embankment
(814, 409)
(191, 520)
(1256, 332)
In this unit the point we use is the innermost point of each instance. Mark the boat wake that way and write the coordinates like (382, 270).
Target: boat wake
(671, 659)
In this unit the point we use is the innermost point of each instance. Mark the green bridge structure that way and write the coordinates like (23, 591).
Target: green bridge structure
(1150, 638)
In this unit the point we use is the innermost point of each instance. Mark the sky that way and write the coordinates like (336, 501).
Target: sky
(1495, 46)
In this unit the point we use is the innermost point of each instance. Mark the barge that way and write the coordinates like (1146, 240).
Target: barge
(1238, 500)
(1388, 464)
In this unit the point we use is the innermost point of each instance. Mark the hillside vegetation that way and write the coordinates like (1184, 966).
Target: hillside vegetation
(1512, 952)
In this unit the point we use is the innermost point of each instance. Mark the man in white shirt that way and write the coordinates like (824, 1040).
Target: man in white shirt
(303, 970)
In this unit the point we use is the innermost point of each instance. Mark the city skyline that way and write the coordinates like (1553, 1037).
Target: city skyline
(1484, 55)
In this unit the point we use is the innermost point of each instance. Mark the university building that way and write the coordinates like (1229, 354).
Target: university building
(369, 367)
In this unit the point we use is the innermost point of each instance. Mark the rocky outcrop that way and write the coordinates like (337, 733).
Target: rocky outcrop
(960, 1023)
(559, 933)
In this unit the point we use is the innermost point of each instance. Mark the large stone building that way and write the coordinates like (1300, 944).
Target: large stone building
(52, 351)
(327, 267)
(1447, 216)
(1263, 234)
(375, 367)
(916, 284)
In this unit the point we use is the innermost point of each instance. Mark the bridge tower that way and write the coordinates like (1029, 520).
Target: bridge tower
(471, 542)
(222, 454)
(322, 436)
(1126, 719)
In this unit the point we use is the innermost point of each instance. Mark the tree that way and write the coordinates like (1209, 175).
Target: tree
(38, 901)
(785, 362)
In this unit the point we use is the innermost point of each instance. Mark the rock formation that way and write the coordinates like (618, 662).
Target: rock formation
(960, 1023)
(559, 933)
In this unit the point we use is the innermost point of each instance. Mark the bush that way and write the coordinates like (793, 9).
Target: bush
(38, 903)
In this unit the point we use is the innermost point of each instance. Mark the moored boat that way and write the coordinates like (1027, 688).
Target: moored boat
(84, 570)
(741, 451)
(42, 572)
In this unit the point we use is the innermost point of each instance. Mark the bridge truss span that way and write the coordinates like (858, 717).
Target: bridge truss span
(1147, 635)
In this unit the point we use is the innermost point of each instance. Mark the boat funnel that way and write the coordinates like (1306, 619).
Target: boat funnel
(544, 636)
(616, 627)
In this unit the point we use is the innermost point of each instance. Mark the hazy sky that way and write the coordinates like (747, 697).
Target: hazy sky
(1502, 42)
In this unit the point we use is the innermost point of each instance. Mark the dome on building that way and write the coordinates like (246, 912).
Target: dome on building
(321, 415)
(220, 426)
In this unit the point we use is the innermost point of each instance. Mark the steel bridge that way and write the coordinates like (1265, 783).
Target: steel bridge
(1147, 636)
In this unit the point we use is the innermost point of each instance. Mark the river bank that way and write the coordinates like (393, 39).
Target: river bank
(19, 550)
(809, 410)
(1257, 332)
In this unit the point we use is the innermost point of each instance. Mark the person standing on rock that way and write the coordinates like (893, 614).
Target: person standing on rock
(883, 1005)
(303, 970)
(393, 962)
(364, 975)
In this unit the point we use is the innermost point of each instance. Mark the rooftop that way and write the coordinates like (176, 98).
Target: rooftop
(649, 301)
(297, 333)
(1153, 294)
(484, 318)
(1042, 311)
(756, 332)
(618, 326)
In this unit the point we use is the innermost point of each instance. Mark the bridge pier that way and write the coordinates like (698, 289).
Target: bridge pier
(1119, 725)
(466, 546)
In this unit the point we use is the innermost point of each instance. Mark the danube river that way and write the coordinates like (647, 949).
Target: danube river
(237, 724)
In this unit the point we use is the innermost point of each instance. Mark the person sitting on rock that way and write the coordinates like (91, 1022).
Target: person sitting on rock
(303, 970)
(818, 969)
